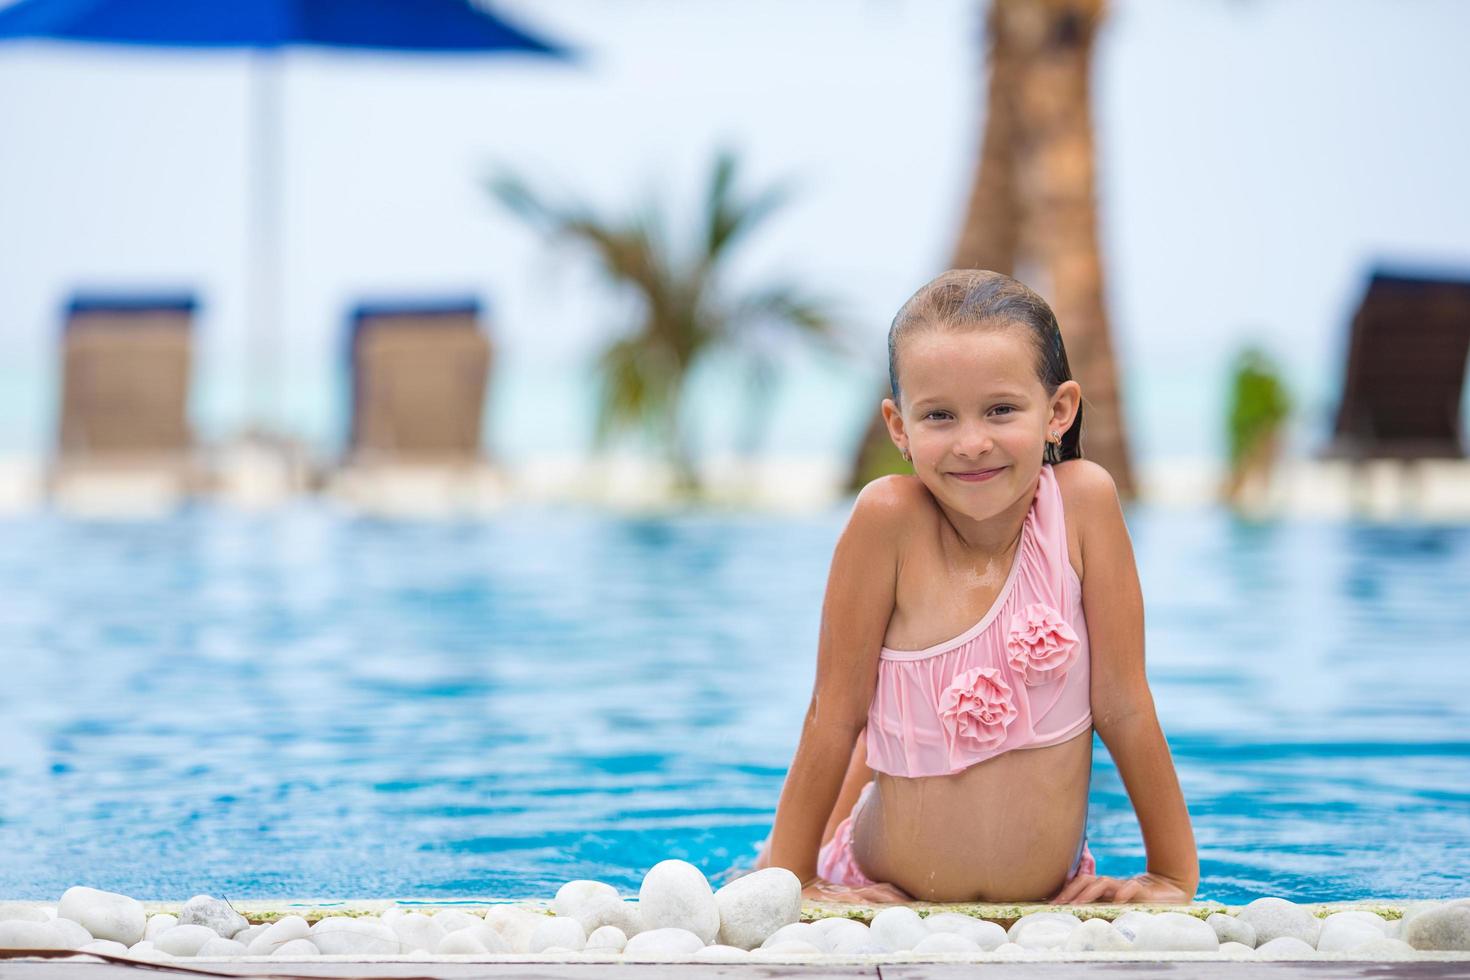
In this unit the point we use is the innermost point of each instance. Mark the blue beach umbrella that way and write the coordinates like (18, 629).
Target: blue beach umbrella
(267, 27)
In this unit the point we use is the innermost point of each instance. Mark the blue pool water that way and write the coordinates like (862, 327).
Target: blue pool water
(311, 705)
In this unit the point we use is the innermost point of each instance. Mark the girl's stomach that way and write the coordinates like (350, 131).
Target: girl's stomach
(1004, 830)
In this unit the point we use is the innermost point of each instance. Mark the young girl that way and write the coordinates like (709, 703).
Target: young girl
(982, 618)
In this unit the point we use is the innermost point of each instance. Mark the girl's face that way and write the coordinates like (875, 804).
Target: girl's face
(975, 417)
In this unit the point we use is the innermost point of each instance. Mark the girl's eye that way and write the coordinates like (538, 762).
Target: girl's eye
(1005, 409)
(937, 415)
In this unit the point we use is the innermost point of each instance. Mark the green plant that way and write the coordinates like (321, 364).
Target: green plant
(686, 309)
(1259, 403)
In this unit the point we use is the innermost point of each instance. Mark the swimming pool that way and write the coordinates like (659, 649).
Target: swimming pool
(307, 704)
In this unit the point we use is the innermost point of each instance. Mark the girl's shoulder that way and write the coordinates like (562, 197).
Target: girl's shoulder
(1090, 505)
(896, 499)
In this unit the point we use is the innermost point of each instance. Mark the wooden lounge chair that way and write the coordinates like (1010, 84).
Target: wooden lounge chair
(1405, 372)
(124, 425)
(419, 374)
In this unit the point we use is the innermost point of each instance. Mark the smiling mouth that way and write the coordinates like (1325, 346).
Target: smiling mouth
(977, 476)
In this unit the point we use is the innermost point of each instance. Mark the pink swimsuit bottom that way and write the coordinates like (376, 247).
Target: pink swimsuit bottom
(1018, 679)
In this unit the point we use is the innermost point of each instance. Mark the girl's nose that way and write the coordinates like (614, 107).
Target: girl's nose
(973, 442)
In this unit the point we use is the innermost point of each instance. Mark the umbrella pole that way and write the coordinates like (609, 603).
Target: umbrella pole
(266, 260)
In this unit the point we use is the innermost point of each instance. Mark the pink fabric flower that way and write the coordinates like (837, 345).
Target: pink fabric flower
(976, 708)
(1041, 646)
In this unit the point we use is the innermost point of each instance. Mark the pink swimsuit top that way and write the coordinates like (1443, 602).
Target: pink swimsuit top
(1018, 679)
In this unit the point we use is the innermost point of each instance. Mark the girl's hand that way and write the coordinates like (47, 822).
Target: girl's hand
(818, 890)
(1086, 889)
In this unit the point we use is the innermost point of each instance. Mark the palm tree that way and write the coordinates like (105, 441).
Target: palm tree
(1033, 205)
(686, 310)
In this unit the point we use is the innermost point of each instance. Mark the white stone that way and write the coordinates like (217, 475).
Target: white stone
(559, 931)
(1065, 921)
(159, 923)
(986, 935)
(676, 895)
(1444, 928)
(461, 942)
(144, 949)
(756, 905)
(213, 913)
(843, 935)
(574, 894)
(184, 940)
(803, 932)
(297, 948)
(1236, 950)
(277, 934)
(608, 910)
(1095, 935)
(453, 920)
(514, 925)
(782, 950)
(22, 912)
(898, 927)
(1362, 917)
(50, 911)
(106, 915)
(722, 954)
(1285, 948)
(20, 934)
(1010, 949)
(109, 947)
(220, 946)
(1175, 932)
(1273, 918)
(337, 935)
(607, 938)
(1343, 936)
(1229, 929)
(664, 941)
(392, 914)
(1384, 948)
(1129, 923)
(945, 942)
(418, 931)
(493, 941)
(72, 933)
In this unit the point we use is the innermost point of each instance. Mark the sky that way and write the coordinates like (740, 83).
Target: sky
(1256, 158)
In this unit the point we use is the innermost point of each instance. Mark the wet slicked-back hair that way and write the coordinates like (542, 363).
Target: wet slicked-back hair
(973, 298)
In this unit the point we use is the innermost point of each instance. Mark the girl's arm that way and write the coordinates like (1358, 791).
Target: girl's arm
(1123, 708)
(855, 613)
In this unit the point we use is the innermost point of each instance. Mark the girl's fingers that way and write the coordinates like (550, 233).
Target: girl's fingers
(1098, 891)
(1072, 888)
(1128, 891)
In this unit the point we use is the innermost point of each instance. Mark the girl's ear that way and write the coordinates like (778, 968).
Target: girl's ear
(894, 420)
(1064, 406)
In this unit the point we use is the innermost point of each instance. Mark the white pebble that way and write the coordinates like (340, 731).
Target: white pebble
(1345, 935)
(1273, 918)
(106, 915)
(609, 910)
(676, 895)
(1362, 917)
(108, 946)
(1229, 929)
(844, 935)
(212, 913)
(791, 947)
(1010, 949)
(20, 934)
(606, 939)
(756, 905)
(1129, 923)
(184, 940)
(1384, 948)
(493, 941)
(297, 948)
(986, 935)
(1445, 928)
(337, 935)
(722, 954)
(1095, 935)
(453, 920)
(514, 925)
(666, 941)
(1175, 932)
(277, 934)
(144, 949)
(22, 912)
(418, 931)
(72, 933)
(574, 894)
(1236, 950)
(1285, 948)
(565, 932)
(1065, 921)
(945, 942)
(898, 927)
(804, 932)
(220, 946)
(461, 942)
(159, 923)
